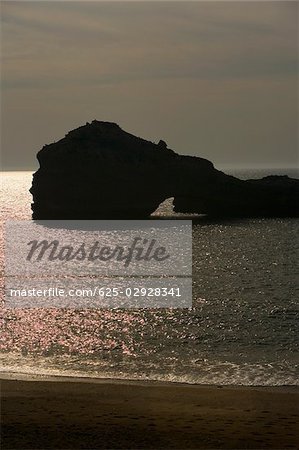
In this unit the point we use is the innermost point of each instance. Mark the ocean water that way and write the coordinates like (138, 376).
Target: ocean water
(242, 328)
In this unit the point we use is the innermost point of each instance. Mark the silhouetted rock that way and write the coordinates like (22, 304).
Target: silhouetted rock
(99, 171)
(162, 144)
(231, 197)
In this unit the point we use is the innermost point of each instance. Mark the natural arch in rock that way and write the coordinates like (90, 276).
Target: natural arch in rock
(99, 171)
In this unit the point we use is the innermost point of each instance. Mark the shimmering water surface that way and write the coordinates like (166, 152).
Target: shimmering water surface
(242, 329)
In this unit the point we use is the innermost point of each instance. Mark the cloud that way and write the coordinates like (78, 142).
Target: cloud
(75, 43)
(201, 64)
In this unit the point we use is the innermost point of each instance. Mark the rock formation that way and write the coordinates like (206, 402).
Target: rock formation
(98, 171)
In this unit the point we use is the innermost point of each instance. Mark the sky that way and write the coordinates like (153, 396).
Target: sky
(213, 79)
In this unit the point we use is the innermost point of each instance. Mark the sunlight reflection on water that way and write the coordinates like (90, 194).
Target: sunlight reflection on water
(242, 329)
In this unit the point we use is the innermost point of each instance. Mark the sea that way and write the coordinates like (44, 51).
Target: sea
(242, 328)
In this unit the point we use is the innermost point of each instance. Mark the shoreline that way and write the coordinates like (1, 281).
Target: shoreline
(70, 413)
(40, 377)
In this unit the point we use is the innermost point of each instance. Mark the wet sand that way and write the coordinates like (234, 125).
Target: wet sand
(107, 414)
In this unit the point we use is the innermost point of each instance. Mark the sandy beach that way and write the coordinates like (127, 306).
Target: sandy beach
(65, 413)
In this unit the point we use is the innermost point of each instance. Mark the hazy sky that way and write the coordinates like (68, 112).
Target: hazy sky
(213, 79)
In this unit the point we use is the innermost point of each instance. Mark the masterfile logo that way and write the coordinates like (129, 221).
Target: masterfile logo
(140, 250)
(150, 247)
(98, 264)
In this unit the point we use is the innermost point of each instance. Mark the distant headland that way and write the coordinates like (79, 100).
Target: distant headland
(99, 171)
